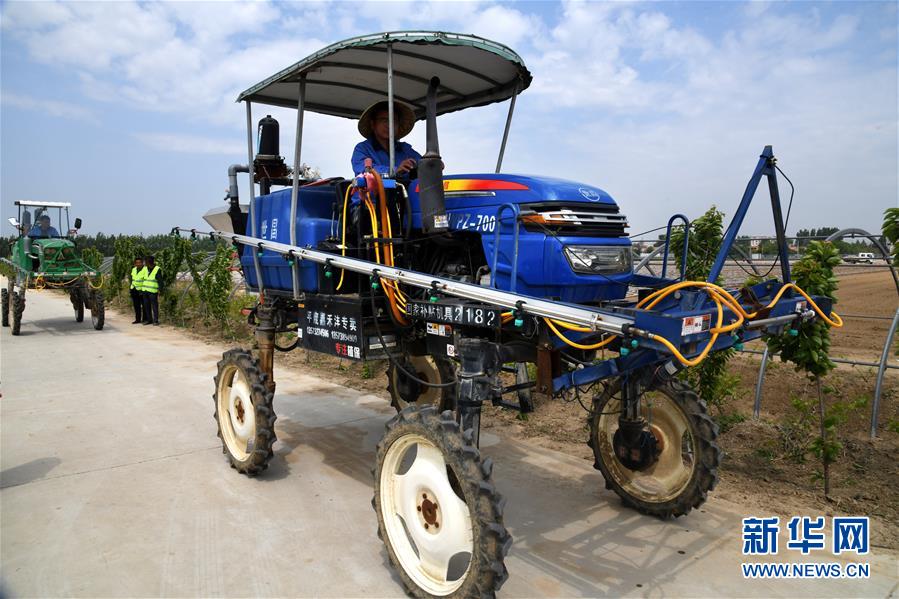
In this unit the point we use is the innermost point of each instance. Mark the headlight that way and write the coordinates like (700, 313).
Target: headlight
(599, 259)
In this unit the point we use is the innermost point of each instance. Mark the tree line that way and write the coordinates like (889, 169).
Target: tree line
(106, 244)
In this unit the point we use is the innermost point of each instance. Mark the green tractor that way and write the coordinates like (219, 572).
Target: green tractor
(45, 258)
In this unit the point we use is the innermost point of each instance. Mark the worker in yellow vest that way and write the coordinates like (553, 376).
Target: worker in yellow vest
(138, 274)
(151, 292)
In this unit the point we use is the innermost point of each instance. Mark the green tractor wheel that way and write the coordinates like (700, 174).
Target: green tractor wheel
(18, 308)
(77, 303)
(4, 301)
(98, 310)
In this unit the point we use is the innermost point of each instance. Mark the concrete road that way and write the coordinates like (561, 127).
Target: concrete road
(114, 484)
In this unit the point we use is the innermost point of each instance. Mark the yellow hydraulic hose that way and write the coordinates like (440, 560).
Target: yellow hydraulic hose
(346, 200)
(835, 322)
(721, 298)
(727, 298)
(693, 362)
(397, 311)
(387, 228)
(549, 323)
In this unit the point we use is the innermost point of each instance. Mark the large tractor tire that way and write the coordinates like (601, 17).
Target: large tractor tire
(405, 392)
(18, 309)
(4, 306)
(98, 310)
(439, 514)
(77, 304)
(244, 412)
(686, 468)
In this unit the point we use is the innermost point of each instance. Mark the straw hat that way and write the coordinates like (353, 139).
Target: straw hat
(403, 116)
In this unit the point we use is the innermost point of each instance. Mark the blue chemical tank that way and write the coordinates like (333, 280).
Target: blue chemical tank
(315, 206)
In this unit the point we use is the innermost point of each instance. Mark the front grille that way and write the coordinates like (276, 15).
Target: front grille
(577, 220)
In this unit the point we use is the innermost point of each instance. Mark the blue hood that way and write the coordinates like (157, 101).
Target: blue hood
(517, 189)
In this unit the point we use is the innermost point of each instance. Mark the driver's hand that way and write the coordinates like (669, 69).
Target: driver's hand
(406, 165)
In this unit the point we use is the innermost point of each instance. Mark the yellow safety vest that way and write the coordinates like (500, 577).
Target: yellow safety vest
(151, 285)
(137, 278)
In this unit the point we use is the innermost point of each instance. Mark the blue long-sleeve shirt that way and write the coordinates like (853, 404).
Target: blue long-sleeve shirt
(37, 232)
(380, 157)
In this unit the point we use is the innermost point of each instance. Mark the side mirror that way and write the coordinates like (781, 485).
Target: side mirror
(14, 222)
(77, 223)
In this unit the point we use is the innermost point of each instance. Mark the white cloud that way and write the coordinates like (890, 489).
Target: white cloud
(34, 15)
(95, 35)
(191, 144)
(55, 108)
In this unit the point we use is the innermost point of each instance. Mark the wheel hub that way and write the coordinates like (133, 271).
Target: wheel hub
(239, 411)
(636, 446)
(427, 511)
(408, 388)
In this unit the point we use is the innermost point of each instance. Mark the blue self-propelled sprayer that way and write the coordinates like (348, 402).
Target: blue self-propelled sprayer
(475, 288)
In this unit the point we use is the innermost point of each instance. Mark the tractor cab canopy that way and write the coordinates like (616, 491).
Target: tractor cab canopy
(43, 219)
(345, 78)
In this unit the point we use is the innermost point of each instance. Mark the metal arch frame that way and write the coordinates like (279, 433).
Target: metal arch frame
(884, 357)
(877, 243)
(644, 262)
(882, 365)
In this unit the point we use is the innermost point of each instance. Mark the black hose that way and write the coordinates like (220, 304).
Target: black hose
(290, 347)
(407, 226)
(390, 358)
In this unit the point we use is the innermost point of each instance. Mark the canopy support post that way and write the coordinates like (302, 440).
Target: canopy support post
(295, 192)
(252, 170)
(390, 115)
(502, 147)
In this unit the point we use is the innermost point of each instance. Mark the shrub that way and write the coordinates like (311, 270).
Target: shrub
(710, 378)
(809, 349)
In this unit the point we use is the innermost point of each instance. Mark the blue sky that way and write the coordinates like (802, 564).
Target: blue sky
(127, 109)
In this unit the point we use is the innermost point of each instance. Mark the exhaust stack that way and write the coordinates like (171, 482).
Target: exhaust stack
(430, 171)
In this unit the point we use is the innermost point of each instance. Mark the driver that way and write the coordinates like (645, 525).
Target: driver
(42, 228)
(374, 125)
